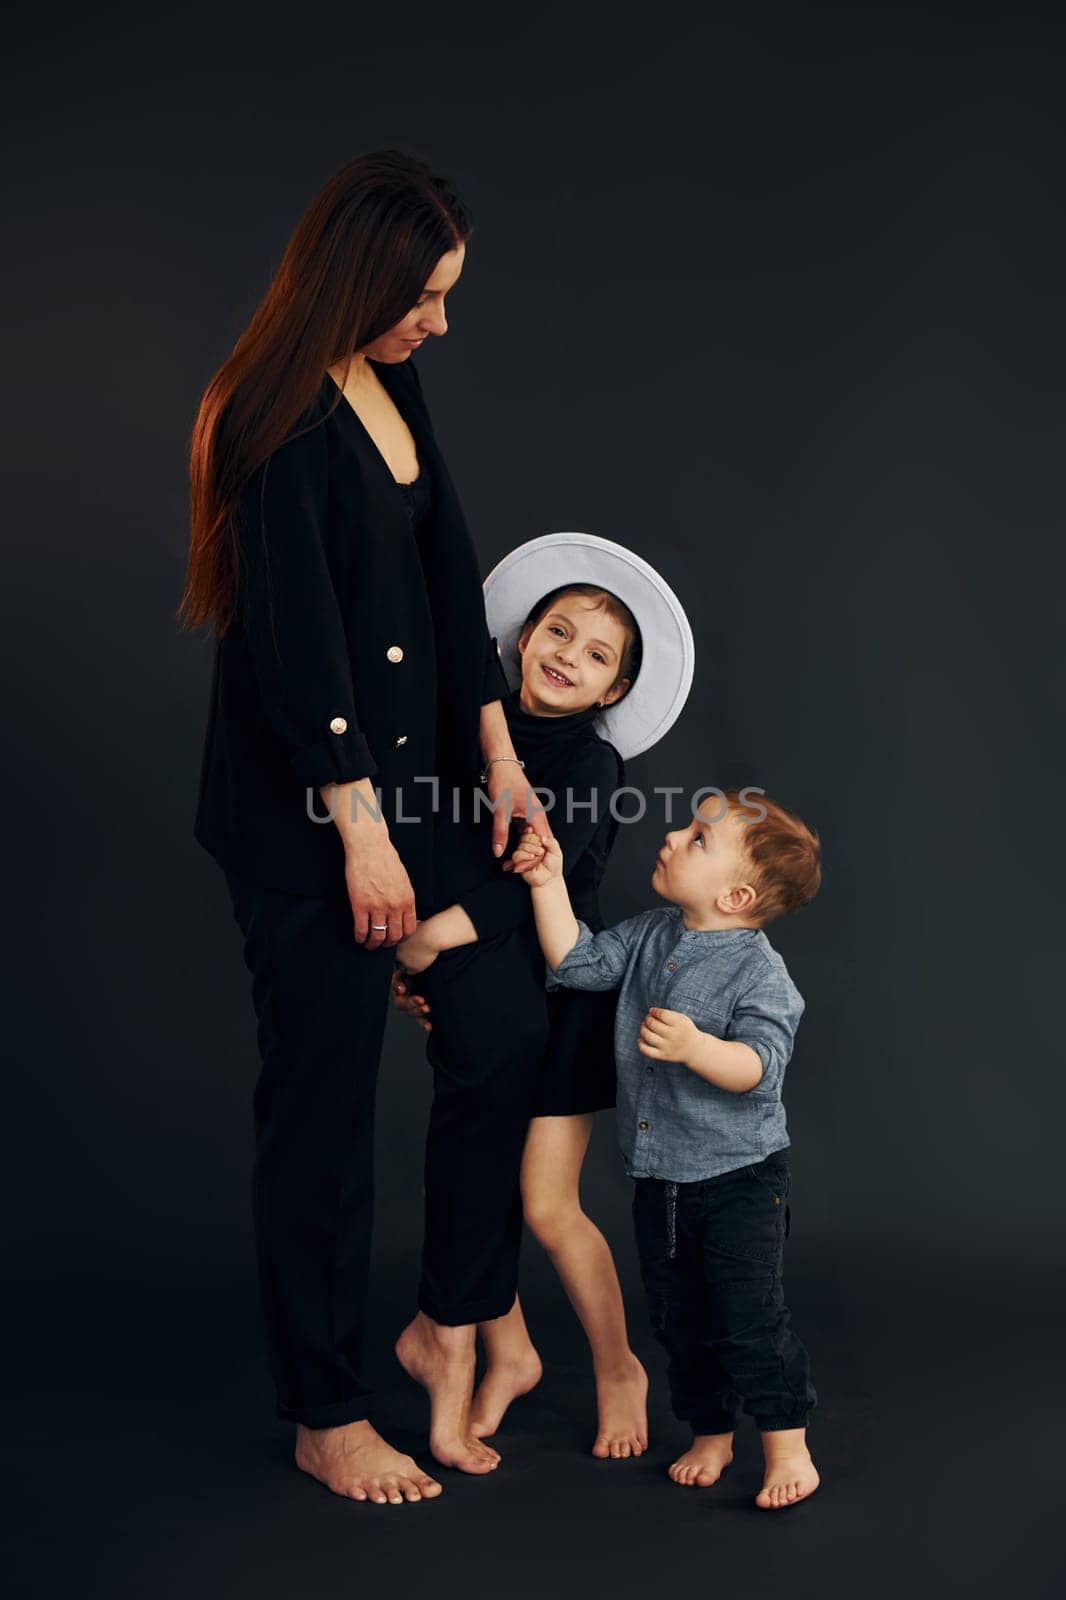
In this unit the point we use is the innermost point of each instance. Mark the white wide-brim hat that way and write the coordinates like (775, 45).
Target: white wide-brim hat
(647, 710)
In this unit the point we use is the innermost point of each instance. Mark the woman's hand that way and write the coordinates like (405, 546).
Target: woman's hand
(521, 803)
(538, 860)
(407, 1000)
(379, 890)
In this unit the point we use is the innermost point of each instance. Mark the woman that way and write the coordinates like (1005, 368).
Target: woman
(352, 656)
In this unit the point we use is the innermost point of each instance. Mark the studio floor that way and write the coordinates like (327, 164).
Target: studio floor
(143, 1460)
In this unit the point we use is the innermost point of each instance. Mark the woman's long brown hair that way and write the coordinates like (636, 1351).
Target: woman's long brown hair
(357, 262)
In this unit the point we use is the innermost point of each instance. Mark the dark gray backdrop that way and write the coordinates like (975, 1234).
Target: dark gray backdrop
(773, 297)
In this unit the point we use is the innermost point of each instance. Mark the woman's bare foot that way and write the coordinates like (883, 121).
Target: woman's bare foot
(505, 1379)
(622, 1401)
(441, 1359)
(356, 1461)
(790, 1472)
(704, 1464)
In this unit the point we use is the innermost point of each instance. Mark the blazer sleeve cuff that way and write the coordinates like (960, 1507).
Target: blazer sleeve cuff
(344, 759)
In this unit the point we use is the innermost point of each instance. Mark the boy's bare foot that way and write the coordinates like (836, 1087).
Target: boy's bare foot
(441, 1359)
(704, 1464)
(355, 1460)
(622, 1401)
(790, 1472)
(504, 1381)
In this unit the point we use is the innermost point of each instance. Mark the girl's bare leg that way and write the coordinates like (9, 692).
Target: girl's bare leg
(551, 1172)
(513, 1368)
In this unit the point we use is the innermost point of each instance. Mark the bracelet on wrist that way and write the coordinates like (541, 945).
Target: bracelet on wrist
(483, 775)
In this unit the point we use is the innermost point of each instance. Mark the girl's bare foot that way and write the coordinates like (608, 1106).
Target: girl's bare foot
(790, 1472)
(503, 1382)
(356, 1461)
(622, 1401)
(704, 1464)
(441, 1359)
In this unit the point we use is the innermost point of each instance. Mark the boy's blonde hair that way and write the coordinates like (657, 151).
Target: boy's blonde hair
(784, 855)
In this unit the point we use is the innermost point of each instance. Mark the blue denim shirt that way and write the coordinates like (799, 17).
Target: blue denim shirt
(732, 982)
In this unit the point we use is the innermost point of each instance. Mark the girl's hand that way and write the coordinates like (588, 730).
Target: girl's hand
(538, 859)
(409, 1001)
(667, 1035)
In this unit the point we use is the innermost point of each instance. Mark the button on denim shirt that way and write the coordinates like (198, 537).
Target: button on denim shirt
(732, 982)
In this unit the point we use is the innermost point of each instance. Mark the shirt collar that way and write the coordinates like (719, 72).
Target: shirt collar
(709, 935)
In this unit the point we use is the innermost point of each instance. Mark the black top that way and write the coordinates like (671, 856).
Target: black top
(418, 498)
(565, 755)
(357, 650)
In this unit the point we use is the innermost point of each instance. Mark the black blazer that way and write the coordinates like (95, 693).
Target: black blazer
(355, 651)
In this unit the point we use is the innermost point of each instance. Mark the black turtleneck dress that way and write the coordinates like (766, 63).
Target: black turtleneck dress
(502, 1048)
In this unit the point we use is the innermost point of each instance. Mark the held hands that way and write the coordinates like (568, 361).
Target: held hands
(538, 857)
(668, 1036)
(520, 802)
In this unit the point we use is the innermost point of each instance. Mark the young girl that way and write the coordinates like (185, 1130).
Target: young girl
(519, 1073)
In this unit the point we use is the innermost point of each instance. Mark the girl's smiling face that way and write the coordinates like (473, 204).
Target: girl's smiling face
(571, 657)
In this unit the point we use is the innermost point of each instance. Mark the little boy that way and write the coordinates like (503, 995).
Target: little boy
(705, 1022)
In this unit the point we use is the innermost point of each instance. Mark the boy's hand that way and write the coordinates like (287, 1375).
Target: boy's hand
(539, 859)
(667, 1035)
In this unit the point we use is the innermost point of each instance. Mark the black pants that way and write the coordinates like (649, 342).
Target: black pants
(711, 1256)
(489, 1033)
(321, 1001)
